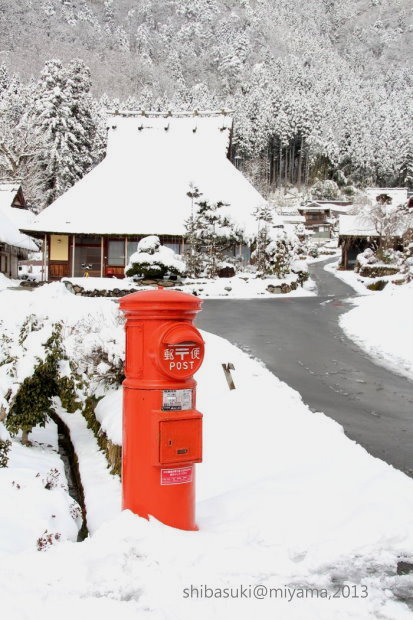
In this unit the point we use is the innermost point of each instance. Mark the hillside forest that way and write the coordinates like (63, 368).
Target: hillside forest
(321, 89)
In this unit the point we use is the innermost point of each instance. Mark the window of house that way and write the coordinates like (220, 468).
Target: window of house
(116, 253)
(132, 248)
(3, 263)
(176, 247)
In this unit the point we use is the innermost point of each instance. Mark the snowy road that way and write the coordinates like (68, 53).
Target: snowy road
(299, 339)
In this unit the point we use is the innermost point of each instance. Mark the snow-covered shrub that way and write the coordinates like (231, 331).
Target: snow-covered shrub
(387, 256)
(53, 480)
(324, 190)
(47, 539)
(348, 190)
(276, 256)
(406, 267)
(313, 250)
(367, 257)
(300, 268)
(153, 260)
(211, 237)
(32, 404)
(5, 445)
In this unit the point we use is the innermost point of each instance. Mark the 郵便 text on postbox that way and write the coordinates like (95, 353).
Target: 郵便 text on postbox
(162, 429)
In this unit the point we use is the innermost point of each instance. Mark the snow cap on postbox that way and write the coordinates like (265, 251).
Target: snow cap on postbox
(161, 303)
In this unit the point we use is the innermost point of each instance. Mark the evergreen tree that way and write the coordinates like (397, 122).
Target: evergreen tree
(62, 116)
(78, 85)
(214, 237)
(264, 218)
(4, 79)
(277, 253)
(191, 258)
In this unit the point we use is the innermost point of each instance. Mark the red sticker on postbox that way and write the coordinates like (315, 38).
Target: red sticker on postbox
(178, 475)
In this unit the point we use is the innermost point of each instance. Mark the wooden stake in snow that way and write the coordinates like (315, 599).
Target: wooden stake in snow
(227, 371)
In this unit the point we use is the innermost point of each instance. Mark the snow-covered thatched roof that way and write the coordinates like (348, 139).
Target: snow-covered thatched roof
(141, 186)
(12, 219)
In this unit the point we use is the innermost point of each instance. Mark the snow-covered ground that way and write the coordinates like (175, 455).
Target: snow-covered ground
(381, 322)
(382, 325)
(7, 282)
(36, 509)
(286, 502)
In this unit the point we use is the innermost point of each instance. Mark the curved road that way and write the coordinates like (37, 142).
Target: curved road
(300, 341)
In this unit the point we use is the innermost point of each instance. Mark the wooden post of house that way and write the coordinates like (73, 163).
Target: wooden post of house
(126, 251)
(102, 257)
(73, 256)
(345, 252)
(44, 278)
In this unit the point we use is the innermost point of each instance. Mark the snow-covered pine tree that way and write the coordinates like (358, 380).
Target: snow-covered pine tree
(78, 84)
(4, 78)
(264, 217)
(214, 237)
(19, 147)
(51, 119)
(191, 258)
(62, 117)
(277, 252)
(280, 252)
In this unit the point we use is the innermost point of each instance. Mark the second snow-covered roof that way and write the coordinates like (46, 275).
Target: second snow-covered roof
(11, 219)
(141, 186)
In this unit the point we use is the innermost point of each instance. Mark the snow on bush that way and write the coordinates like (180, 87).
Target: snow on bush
(153, 260)
(389, 262)
(406, 267)
(276, 251)
(324, 190)
(56, 344)
(211, 237)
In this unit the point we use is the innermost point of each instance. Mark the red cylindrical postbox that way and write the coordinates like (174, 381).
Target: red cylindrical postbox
(162, 430)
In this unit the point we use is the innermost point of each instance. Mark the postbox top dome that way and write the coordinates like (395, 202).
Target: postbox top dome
(160, 298)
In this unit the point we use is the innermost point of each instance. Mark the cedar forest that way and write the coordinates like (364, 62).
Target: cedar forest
(319, 89)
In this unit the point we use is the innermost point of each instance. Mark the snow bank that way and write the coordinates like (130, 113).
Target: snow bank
(102, 491)
(6, 282)
(284, 498)
(34, 497)
(382, 325)
(285, 502)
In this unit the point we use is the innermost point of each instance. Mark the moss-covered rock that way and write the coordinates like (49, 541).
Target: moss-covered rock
(377, 271)
(112, 451)
(379, 285)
